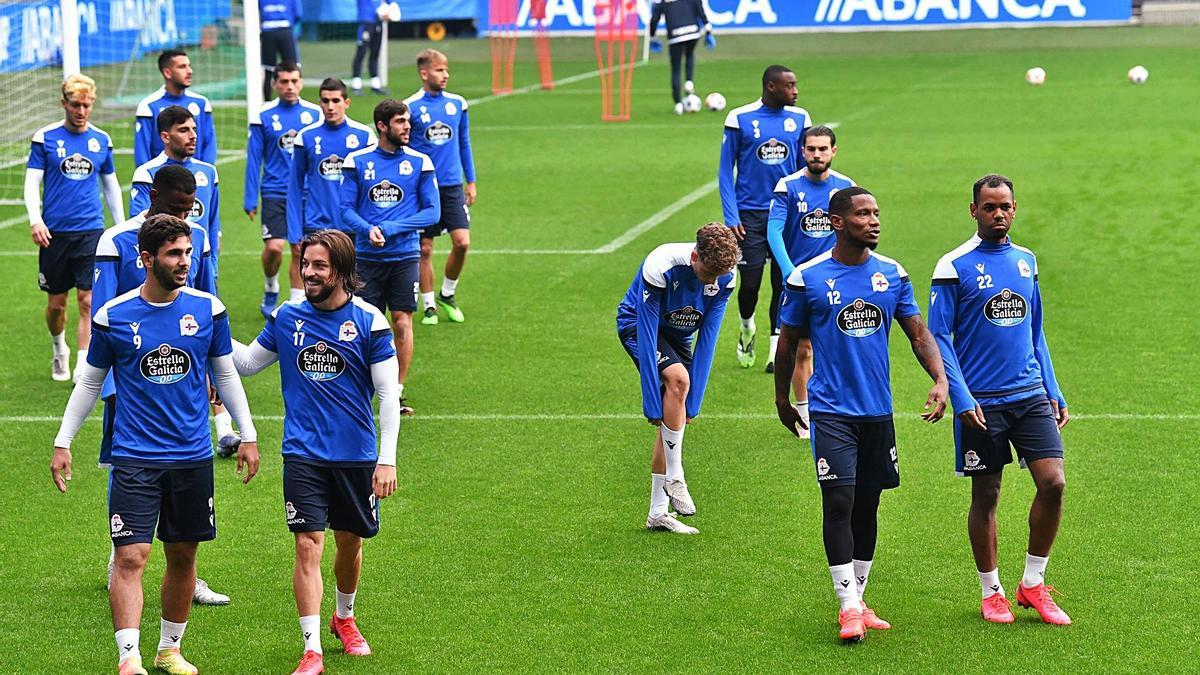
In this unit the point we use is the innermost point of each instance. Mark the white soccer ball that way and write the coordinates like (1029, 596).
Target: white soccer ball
(1138, 74)
(714, 102)
(691, 103)
(1035, 76)
(389, 11)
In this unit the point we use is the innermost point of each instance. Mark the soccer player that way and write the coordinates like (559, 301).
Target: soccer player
(334, 350)
(985, 309)
(686, 24)
(268, 169)
(762, 141)
(159, 340)
(66, 218)
(668, 322)
(316, 173)
(277, 20)
(440, 130)
(389, 193)
(176, 70)
(845, 300)
(798, 230)
(370, 37)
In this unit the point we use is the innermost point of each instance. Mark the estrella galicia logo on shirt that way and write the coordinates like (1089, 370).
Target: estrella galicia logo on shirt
(320, 362)
(860, 318)
(165, 365)
(685, 318)
(76, 167)
(816, 224)
(330, 168)
(439, 133)
(1006, 308)
(287, 140)
(773, 152)
(385, 193)
(197, 211)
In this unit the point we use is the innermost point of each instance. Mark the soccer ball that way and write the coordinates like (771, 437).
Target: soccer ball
(1035, 76)
(389, 11)
(691, 103)
(714, 102)
(1138, 74)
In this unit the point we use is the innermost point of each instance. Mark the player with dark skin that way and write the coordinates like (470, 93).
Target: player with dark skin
(779, 91)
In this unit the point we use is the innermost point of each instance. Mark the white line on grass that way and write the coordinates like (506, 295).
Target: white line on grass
(653, 221)
(535, 87)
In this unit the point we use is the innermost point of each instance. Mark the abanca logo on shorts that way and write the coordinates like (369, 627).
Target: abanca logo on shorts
(165, 365)
(823, 470)
(118, 527)
(320, 362)
(1006, 308)
(971, 461)
(860, 318)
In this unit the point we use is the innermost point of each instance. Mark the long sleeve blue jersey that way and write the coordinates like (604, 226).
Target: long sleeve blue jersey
(394, 191)
(71, 164)
(686, 19)
(368, 11)
(667, 296)
(269, 151)
(276, 14)
(985, 310)
(316, 173)
(146, 141)
(206, 210)
(798, 225)
(440, 130)
(763, 145)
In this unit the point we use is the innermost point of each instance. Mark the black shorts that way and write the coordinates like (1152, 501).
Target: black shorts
(390, 285)
(341, 498)
(68, 262)
(859, 452)
(179, 500)
(455, 213)
(1027, 426)
(755, 249)
(669, 350)
(274, 218)
(277, 46)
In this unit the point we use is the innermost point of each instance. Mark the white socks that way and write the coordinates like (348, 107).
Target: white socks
(60, 343)
(844, 586)
(345, 604)
(356, 83)
(449, 286)
(862, 570)
(401, 392)
(224, 424)
(170, 634)
(295, 294)
(774, 342)
(989, 583)
(1035, 570)
(802, 409)
(427, 301)
(658, 496)
(127, 644)
(673, 448)
(271, 284)
(748, 325)
(310, 628)
(376, 83)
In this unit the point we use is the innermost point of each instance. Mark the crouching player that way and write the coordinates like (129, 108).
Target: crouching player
(334, 350)
(679, 291)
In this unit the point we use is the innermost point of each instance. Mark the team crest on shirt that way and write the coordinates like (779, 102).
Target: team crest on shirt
(438, 133)
(860, 318)
(275, 123)
(166, 364)
(351, 142)
(287, 141)
(451, 109)
(201, 179)
(188, 325)
(979, 267)
(320, 362)
(347, 332)
(76, 167)
(789, 125)
(711, 289)
(1006, 308)
(830, 283)
(194, 108)
(1023, 268)
(879, 282)
(93, 145)
(405, 168)
(289, 510)
(306, 118)
(385, 193)
(773, 152)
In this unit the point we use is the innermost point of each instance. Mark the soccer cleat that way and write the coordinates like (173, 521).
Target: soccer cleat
(131, 666)
(203, 595)
(227, 445)
(310, 664)
(678, 108)
(347, 631)
(871, 620)
(681, 500)
(268, 303)
(668, 523)
(770, 369)
(745, 348)
(1039, 598)
(689, 87)
(851, 622)
(60, 367)
(450, 307)
(431, 317)
(405, 409)
(170, 661)
(997, 609)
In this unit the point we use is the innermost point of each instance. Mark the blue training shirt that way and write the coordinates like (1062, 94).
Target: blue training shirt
(159, 358)
(368, 11)
(798, 226)
(985, 309)
(71, 165)
(269, 152)
(763, 145)
(394, 191)
(440, 130)
(276, 14)
(667, 296)
(325, 360)
(146, 141)
(206, 210)
(847, 312)
(316, 173)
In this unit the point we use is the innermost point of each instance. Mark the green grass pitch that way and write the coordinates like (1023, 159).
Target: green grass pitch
(515, 542)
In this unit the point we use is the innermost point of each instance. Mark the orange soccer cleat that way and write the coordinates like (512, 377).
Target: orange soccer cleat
(310, 664)
(1039, 598)
(871, 620)
(346, 630)
(997, 609)
(851, 622)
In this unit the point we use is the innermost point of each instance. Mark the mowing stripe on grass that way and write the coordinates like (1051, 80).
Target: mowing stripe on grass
(566, 417)
(535, 87)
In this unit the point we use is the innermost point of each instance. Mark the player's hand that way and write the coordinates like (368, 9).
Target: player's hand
(383, 481)
(1061, 416)
(710, 40)
(214, 397)
(247, 457)
(470, 194)
(935, 404)
(41, 235)
(790, 417)
(689, 420)
(251, 213)
(655, 45)
(655, 422)
(60, 468)
(377, 238)
(739, 231)
(974, 418)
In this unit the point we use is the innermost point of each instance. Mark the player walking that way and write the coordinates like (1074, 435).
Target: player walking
(66, 217)
(686, 24)
(668, 322)
(277, 20)
(176, 70)
(334, 350)
(985, 309)
(389, 193)
(762, 142)
(370, 38)
(160, 340)
(845, 300)
(440, 130)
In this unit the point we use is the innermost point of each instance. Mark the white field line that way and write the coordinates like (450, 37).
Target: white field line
(537, 87)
